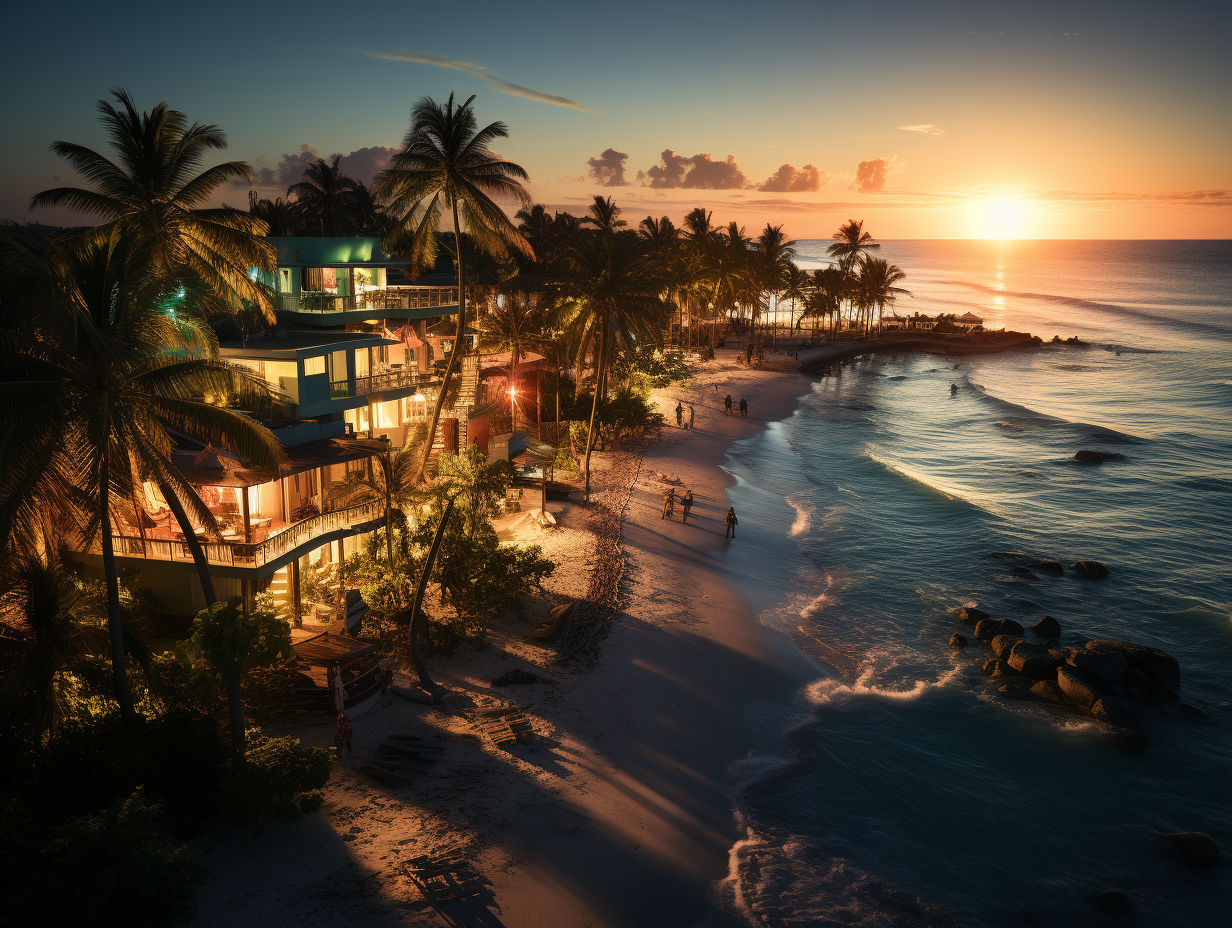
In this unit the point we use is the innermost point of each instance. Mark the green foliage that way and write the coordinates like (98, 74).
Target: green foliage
(115, 868)
(565, 459)
(626, 414)
(231, 642)
(647, 366)
(278, 779)
(477, 485)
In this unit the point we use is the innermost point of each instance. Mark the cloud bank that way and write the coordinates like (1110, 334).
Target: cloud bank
(787, 179)
(700, 172)
(871, 175)
(608, 170)
(478, 70)
(362, 165)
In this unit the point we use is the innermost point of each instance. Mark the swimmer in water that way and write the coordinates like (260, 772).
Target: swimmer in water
(953, 389)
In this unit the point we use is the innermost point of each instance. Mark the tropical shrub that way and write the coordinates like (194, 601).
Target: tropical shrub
(278, 779)
(115, 868)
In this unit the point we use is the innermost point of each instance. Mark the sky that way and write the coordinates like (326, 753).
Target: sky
(925, 120)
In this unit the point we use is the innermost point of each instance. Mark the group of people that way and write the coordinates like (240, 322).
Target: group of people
(686, 503)
(744, 405)
(680, 415)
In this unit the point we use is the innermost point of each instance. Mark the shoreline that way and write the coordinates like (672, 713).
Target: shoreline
(619, 813)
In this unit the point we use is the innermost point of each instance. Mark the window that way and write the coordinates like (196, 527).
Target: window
(338, 367)
(313, 366)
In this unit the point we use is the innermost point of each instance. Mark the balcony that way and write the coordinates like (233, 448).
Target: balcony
(295, 538)
(395, 379)
(378, 301)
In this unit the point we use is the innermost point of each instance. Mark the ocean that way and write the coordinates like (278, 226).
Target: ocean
(902, 789)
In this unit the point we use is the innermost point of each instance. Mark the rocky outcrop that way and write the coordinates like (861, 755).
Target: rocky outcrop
(1002, 644)
(1089, 457)
(1117, 711)
(1090, 568)
(1199, 849)
(1048, 689)
(1047, 627)
(971, 615)
(1102, 667)
(957, 641)
(1030, 660)
(1077, 689)
(997, 668)
(1046, 567)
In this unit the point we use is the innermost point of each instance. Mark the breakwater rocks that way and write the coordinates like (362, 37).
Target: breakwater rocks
(970, 343)
(1115, 682)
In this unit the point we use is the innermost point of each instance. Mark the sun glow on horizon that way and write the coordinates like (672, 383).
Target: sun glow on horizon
(1002, 218)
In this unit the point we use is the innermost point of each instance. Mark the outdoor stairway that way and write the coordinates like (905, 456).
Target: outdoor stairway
(468, 390)
(280, 588)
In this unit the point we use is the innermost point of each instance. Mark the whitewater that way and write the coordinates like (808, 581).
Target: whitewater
(901, 789)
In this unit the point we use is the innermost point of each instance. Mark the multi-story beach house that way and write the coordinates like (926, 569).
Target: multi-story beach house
(351, 369)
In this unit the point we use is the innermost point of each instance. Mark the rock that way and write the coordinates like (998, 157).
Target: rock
(1165, 668)
(1112, 901)
(1091, 568)
(1161, 692)
(1015, 689)
(1002, 644)
(1117, 711)
(1076, 689)
(1048, 689)
(971, 615)
(1101, 666)
(987, 629)
(1137, 655)
(1051, 644)
(957, 641)
(1190, 713)
(997, 668)
(1089, 457)
(1010, 627)
(1047, 627)
(1199, 849)
(1134, 685)
(1030, 660)
(1047, 567)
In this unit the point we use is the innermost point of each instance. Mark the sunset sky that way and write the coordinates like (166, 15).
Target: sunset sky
(954, 120)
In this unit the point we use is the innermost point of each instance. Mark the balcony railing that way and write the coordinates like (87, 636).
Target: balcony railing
(258, 554)
(390, 380)
(376, 300)
(339, 389)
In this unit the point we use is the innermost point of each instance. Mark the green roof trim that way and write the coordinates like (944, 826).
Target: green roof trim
(309, 251)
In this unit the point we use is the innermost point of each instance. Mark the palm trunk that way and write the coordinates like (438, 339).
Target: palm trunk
(451, 367)
(236, 704)
(417, 612)
(600, 365)
(119, 672)
(191, 541)
(513, 389)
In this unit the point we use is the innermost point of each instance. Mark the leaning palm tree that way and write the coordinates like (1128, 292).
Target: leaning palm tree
(98, 379)
(326, 196)
(610, 296)
(153, 194)
(446, 163)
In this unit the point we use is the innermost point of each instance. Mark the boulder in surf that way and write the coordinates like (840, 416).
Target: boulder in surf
(1091, 568)
(1030, 660)
(1076, 689)
(1047, 627)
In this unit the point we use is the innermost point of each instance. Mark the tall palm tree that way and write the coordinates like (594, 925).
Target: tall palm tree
(446, 163)
(772, 260)
(794, 286)
(98, 377)
(879, 281)
(610, 296)
(604, 216)
(697, 224)
(828, 292)
(660, 234)
(723, 261)
(326, 196)
(153, 194)
(514, 327)
(281, 217)
(851, 245)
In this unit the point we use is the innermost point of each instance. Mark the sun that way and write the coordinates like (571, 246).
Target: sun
(1000, 218)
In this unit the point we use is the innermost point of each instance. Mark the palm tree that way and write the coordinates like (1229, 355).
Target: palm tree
(772, 260)
(609, 296)
(98, 378)
(326, 196)
(512, 327)
(879, 281)
(827, 293)
(723, 264)
(604, 216)
(850, 246)
(660, 234)
(794, 286)
(446, 162)
(697, 224)
(153, 196)
(281, 217)
(393, 480)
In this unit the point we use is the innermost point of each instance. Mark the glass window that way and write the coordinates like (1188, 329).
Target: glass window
(314, 366)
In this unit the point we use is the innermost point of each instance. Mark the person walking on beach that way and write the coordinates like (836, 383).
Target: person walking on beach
(669, 504)
(732, 522)
(679, 413)
(727, 404)
(686, 503)
(744, 406)
(690, 417)
(342, 734)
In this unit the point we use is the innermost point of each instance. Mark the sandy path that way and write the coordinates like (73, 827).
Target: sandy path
(618, 814)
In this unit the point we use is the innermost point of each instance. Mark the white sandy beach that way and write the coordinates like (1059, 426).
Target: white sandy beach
(618, 814)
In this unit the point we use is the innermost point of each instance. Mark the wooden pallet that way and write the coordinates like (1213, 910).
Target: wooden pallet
(444, 879)
(505, 726)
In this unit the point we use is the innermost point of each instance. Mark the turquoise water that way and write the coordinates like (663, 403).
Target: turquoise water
(903, 790)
